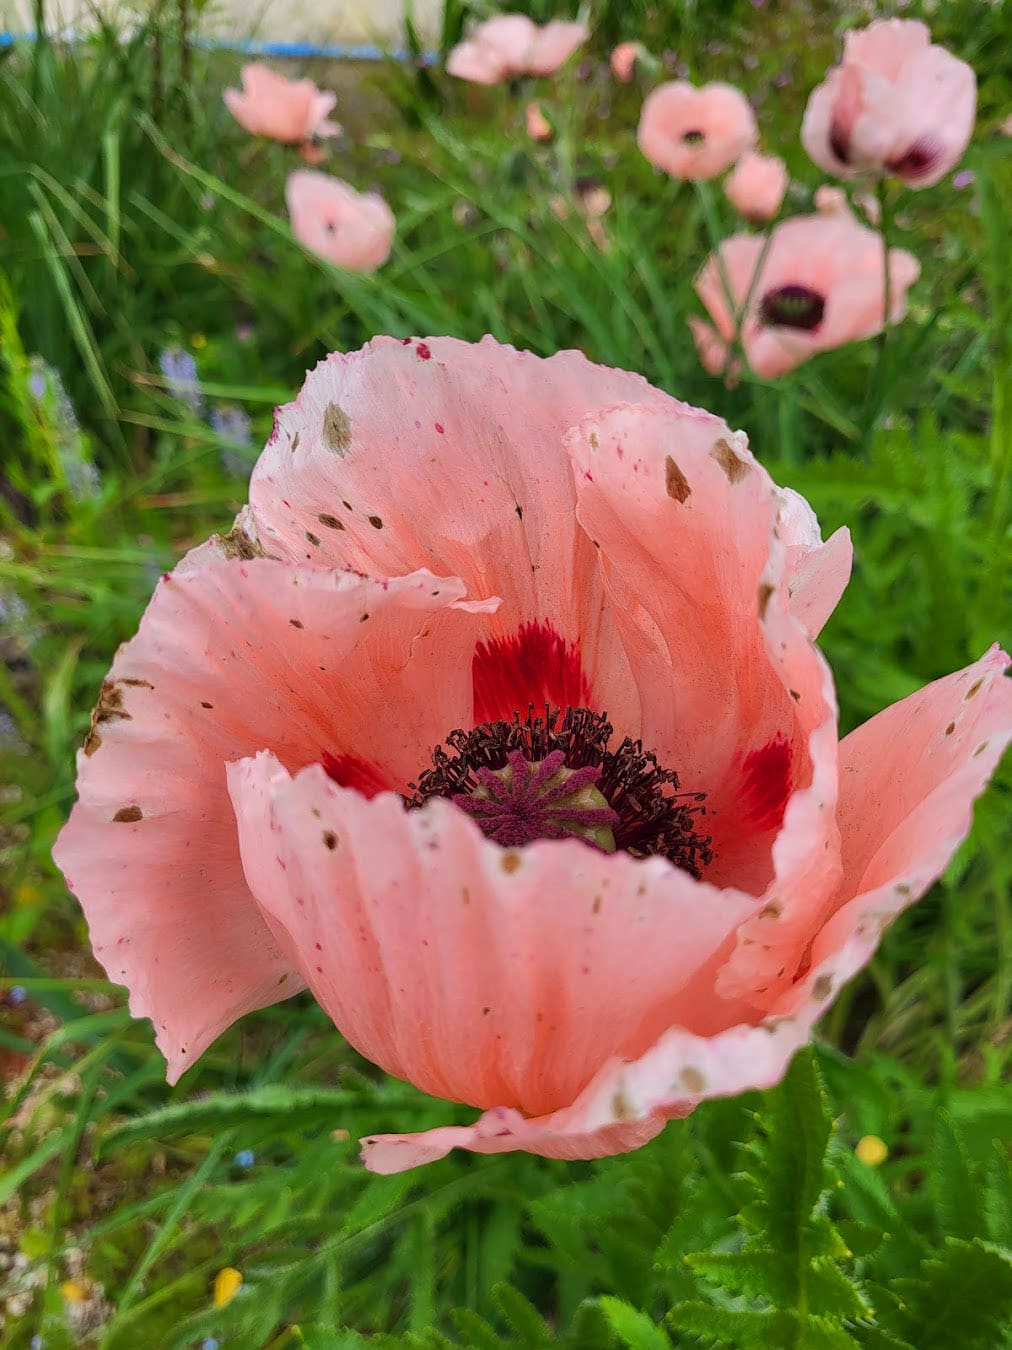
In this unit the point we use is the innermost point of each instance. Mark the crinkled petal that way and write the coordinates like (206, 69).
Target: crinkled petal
(731, 688)
(232, 656)
(476, 432)
(481, 975)
(629, 1102)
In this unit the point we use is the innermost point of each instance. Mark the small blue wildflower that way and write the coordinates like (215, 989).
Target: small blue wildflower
(36, 1343)
(210, 1343)
(17, 994)
(964, 178)
(232, 423)
(245, 1158)
(58, 417)
(180, 372)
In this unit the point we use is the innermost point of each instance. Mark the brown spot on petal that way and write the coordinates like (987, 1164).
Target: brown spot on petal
(974, 688)
(109, 708)
(336, 429)
(205, 704)
(510, 861)
(771, 911)
(692, 1080)
(376, 522)
(330, 839)
(621, 1107)
(126, 815)
(675, 481)
(730, 461)
(980, 749)
(823, 987)
(765, 591)
(331, 522)
(313, 539)
(296, 623)
(239, 544)
(138, 684)
(950, 728)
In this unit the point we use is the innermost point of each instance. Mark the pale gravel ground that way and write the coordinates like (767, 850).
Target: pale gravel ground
(332, 21)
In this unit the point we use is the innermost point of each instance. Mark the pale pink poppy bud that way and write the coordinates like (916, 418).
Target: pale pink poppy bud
(821, 284)
(896, 104)
(510, 45)
(695, 133)
(829, 199)
(623, 61)
(497, 719)
(756, 185)
(286, 110)
(354, 230)
(538, 126)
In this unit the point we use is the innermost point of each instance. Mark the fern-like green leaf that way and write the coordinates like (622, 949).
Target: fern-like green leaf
(522, 1316)
(635, 1329)
(963, 1298)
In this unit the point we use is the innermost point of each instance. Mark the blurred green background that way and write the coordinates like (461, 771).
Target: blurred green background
(141, 231)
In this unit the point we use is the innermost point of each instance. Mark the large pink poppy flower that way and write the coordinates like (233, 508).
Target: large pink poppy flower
(354, 230)
(497, 720)
(821, 285)
(756, 185)
(896, 104)
(286, 110)
(695, 133)
(512, 44)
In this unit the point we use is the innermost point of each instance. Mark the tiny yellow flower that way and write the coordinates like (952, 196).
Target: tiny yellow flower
(339, 1135)
(871, 1150)
(199, 341)
(227, 1284)
(73, 1292)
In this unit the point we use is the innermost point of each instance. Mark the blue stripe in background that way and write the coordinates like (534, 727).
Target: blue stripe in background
(249, 47)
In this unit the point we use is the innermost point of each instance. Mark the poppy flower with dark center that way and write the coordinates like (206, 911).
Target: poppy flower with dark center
(497, 720)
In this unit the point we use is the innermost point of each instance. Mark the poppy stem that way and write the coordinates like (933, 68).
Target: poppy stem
(879, 383)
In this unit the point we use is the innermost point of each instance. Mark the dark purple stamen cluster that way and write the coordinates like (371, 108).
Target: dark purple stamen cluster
(650, 815)
(792, 307)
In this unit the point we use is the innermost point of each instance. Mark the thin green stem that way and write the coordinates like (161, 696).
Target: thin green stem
(879, 383)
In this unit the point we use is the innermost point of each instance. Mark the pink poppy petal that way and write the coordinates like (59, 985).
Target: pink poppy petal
(438, 413)
(350, 229)
(685, 519)
(480, 974)
(477, 64)
(695, 133)
(554, 45)
(232, 656)
(623, 60)
(628, 1103)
